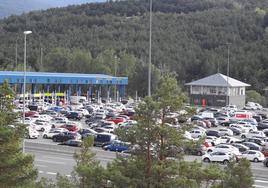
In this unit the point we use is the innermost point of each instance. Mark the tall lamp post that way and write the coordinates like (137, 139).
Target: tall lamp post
(228, 72)
(150, 51)
(24, 78)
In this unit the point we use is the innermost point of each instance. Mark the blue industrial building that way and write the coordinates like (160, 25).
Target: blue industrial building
(69, 82)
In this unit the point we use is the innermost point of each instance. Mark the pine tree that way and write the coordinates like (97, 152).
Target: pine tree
(89, 171)
(238, 175)
(16, 168)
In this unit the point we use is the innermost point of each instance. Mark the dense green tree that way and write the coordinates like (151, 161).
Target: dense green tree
(16, 168)
(157, 159)
(254, 96)
(189, 38)
(238, 175)
(169, 100)
(90, 173)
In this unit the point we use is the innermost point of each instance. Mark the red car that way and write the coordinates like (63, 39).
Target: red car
(265, 152)
(31, 113)
(70, 127)
(117, 120)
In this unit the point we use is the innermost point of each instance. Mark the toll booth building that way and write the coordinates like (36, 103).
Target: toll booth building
(217, 90)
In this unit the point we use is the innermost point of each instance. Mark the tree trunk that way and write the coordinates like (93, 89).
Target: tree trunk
(148, 163)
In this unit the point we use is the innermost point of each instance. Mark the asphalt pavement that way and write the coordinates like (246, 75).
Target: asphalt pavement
(51, 158)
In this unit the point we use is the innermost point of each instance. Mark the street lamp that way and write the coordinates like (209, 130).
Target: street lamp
(24, 78)
(150, 52)
(228, 72)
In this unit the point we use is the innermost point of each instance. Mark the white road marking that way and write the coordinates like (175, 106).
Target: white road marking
(48, 161)
(60, 158)
(39, 165)
(259, 186)
(41, 172)
(51, 173)
(68, 175)
(261, 181)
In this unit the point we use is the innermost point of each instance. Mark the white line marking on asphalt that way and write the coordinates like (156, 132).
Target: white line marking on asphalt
(68, 175)
(261, 181)
(47, 161)
(61, 158)
(39, 165)
(41, 172)
(51, 173)
(259, 186)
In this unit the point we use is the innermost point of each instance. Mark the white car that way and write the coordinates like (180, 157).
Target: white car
(59, 123)
(41, 126)
(242, 128)
(84, 112)
(32, 133)
(253, 155)
(50, 133)
(228, 139)
(200, 128)
(196, 133)
(55, 119)
(250, 127)
(225, 132)
(45, 117)
(218, 156)
(187, 135)
(224, 148)
(258, 134)
(213, 140)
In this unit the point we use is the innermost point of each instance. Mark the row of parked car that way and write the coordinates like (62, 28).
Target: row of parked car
(237, 134)
(63, 124)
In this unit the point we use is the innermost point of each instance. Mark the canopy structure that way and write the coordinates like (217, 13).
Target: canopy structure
(61, 78)
(69, 82)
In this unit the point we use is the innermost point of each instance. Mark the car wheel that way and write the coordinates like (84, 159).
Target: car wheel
(225, 162)
(44, 136)
(243, 136)
(42, 129)
(29, 137)
(199, 153)
(54, 139)
(207, 160)
(53, 126)
(255, 160)
(209, 150)
(266, 164)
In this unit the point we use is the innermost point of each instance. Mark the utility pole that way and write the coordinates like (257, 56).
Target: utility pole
(41, 59)
(16, 55)
(228, 72)
(150, 51)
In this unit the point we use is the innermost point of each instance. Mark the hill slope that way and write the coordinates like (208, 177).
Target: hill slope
(189, 37)
(16, 7)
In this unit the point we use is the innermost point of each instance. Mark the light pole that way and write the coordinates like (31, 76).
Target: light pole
(228, 68)
(150, 51)
(24, 79)
(115, 73)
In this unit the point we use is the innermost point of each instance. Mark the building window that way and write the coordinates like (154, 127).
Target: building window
(196, 90)
(212, 90)
(222, 90)
(242, 92)
(209, 90)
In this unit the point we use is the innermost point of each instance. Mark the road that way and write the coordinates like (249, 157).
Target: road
(51, 159)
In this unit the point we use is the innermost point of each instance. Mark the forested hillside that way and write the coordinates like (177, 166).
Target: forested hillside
(17, 7)
(190, 37)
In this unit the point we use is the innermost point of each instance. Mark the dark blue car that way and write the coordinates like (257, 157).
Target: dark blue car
(118, 146)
